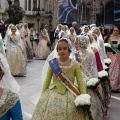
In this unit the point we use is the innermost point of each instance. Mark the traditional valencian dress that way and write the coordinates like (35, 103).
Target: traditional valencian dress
(114, 71)
(56, 102)
(15, 56)
(8, 82)
(10, 106)
(89, 70)
(7, 101)
(42, 49)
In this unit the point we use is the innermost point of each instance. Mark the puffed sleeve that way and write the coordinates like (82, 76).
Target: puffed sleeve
(80, 81)
(48, 79)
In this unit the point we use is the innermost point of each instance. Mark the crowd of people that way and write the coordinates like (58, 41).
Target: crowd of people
(80, 62)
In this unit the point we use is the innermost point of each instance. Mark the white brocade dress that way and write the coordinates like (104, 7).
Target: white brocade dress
(42, 49)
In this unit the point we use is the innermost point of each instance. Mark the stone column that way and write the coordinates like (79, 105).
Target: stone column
(55, 14)
(31, 5)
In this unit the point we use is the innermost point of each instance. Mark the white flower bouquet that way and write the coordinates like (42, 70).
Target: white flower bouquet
(93, 83)
(107, 61)
(102, 75)
(84, 101)
(107, 45)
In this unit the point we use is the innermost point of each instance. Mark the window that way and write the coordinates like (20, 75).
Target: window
(25, 4)
(0, 3)
(34, 4)
(29, 6)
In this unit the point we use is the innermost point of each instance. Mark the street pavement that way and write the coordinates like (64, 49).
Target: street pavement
(31, 87)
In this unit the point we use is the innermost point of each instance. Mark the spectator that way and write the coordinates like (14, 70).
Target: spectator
(77, 30)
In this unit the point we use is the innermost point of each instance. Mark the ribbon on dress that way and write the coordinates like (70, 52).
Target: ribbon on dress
(115, 49)
(76, 57)
(61, 76)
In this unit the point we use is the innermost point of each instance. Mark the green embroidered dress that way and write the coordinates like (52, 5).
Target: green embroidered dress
(56, 102)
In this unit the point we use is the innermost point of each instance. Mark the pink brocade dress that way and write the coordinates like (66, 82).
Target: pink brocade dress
(114, 70)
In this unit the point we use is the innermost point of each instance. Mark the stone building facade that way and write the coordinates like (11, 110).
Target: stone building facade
(106, 15)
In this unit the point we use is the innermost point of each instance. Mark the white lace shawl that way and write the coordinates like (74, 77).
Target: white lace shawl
(8, 82)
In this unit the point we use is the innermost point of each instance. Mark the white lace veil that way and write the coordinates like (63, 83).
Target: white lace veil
(83, 28)
(8, 80)
(68, 33)
(9, 33)
(84, 43)
(95, 44)
(45, 34)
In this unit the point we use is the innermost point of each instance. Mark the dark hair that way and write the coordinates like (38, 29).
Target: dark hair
(110, 32)
(63, 40)
(106, 31)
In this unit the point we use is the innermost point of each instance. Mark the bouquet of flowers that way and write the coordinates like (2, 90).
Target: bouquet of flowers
(84, 102)
(93, 83)
(107, 61)
(107, 45)
(108, 81)
(102, 75)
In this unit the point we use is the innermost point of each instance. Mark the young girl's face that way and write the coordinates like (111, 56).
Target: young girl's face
(63, 49)
(13, 29)
(86, 30)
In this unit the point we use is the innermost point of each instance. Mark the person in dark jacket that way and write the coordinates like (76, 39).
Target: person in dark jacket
(77, 30)
(2, 28)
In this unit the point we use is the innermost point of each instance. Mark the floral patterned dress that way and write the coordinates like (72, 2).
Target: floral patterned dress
(56, 102)
(114, 68)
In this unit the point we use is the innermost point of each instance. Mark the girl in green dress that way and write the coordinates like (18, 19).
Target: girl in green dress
(56, 101)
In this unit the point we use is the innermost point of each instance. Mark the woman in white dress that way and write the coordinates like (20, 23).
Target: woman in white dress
(88, 66)
(85, 29)
(15, 52)
(43, 49)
